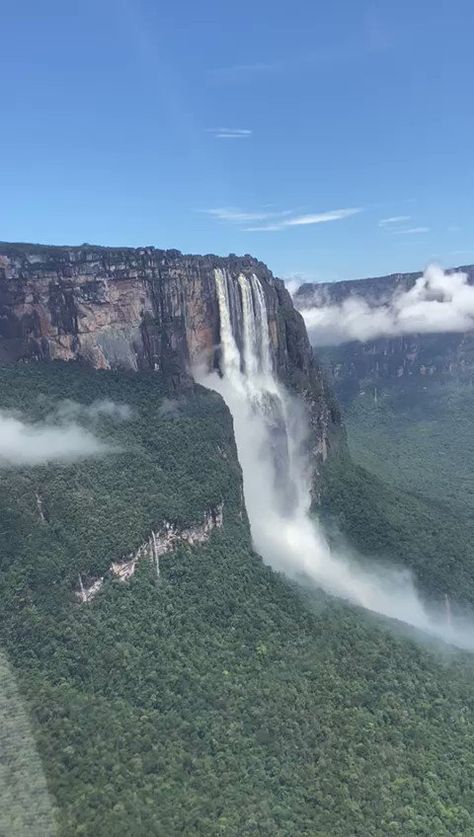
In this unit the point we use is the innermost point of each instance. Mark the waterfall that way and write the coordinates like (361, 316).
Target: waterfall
(249, 328)
(262, 325)
(230, 352)
(267, 425)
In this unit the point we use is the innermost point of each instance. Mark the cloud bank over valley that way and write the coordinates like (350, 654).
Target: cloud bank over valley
(437, 302)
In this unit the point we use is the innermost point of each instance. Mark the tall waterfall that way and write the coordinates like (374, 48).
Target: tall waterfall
(262, 326)
(249, 327)
(268, 429)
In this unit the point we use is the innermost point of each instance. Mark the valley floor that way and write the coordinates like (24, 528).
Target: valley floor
(219, 699)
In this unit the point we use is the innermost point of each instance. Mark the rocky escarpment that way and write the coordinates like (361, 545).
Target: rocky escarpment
(160, 543)
(376, 290)
(145, 308)
(417, 358)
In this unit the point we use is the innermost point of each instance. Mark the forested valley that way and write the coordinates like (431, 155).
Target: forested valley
(219, 698)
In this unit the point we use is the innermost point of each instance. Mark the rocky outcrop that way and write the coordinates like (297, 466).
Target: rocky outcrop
(161, 542)
(145, 309)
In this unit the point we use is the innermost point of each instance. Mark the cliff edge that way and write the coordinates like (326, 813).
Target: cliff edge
(144, 308)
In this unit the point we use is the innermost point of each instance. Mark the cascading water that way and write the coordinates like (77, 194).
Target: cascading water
(275, 485)
(262, 326)
(250, 331)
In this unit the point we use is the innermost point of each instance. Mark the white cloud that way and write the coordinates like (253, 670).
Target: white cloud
(22, 443)
(60, 438)
(230, 133)
(294, 280)
(305, 220)
(438, 302)
(292, 284)
(395, 219)
(272, 221)
(240, 216)
(412, 231)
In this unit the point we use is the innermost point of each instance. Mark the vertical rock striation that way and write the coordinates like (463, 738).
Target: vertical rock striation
(124, 308)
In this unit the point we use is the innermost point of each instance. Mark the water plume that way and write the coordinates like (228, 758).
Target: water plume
(269, 430)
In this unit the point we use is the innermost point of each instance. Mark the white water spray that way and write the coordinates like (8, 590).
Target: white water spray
(250, 331)
(262, 323)
(276, 487)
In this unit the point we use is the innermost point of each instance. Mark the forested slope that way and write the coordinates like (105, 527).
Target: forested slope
(407, 490)
(217, 698)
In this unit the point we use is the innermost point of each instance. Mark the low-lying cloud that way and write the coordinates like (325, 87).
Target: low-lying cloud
(69, 410)
(438, 302)
(169, 408)
(59, 438)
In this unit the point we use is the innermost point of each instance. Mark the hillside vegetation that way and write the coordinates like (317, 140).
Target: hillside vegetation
(218, 699)
(420, 439)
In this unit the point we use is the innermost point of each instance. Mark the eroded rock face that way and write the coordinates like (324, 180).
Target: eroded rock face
(145, 309)
(164, 540)
(128, 308)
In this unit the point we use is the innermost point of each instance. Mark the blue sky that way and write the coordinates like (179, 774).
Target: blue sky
(292, 131)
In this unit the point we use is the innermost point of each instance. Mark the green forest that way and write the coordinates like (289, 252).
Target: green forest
(219, 698)
(419, 439)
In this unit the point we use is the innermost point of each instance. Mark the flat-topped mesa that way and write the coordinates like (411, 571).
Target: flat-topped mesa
(122, 308)
(419, 356)
(376, 290)
(125, 308)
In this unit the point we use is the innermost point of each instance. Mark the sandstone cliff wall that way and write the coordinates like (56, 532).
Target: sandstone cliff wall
(125, 308)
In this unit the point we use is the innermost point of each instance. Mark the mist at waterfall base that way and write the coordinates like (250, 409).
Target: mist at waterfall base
(270, 432)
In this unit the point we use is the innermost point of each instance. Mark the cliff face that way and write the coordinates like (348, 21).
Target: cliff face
(417, 357)
(145, 309)
(375, 290)
(415, 360)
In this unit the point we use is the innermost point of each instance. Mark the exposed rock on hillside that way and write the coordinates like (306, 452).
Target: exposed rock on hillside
(159, 543)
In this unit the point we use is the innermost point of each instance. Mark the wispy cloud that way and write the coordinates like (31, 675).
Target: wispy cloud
(395, 219)
(272, 221)
(339, 53)
(240, 216)
(306, 220)
(230, 133)
(412, 231)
